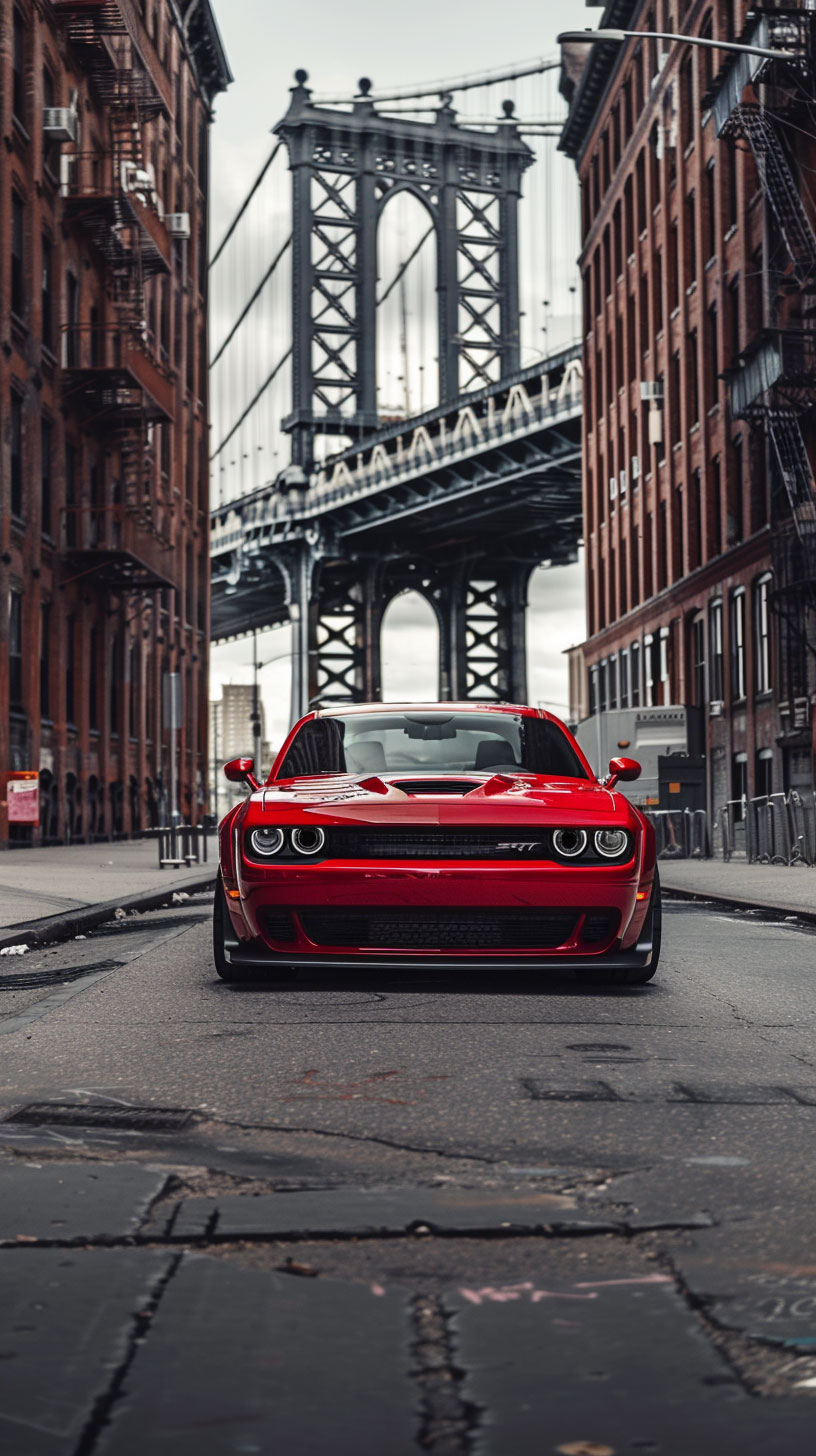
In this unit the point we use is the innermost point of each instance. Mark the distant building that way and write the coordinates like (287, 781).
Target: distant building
(104, 569)
(232, 736)
(699, 273)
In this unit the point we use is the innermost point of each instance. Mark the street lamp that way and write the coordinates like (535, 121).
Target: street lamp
(617, 37)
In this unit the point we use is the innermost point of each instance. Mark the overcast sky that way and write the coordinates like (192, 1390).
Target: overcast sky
(395, 45)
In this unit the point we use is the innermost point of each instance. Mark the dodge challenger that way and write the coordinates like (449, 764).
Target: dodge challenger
(440, 837)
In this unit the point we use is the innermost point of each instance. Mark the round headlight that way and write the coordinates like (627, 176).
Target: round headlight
(308, 840)
(570, 842)
(266, 841)
(611, 843)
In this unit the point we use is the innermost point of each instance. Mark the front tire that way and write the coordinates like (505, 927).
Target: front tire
(633, 975)
(220, 923)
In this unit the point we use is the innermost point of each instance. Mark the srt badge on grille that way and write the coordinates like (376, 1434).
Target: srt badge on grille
(520, 844)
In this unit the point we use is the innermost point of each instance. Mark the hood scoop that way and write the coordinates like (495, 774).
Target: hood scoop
(436, 786)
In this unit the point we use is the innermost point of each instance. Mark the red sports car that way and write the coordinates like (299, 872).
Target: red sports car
(457, 834)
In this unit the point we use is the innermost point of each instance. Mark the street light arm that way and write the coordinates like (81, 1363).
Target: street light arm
(617, 37)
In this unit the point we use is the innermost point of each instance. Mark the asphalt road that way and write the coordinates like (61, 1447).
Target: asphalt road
(378, 1217)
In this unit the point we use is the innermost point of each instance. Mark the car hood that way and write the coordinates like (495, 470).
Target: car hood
(500, 798)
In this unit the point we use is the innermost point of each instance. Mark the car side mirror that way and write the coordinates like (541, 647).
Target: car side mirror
(241, 771)
(621, 768)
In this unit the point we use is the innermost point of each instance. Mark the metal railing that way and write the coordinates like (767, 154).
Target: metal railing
(770, 828)
(182, 844)
(681, 833)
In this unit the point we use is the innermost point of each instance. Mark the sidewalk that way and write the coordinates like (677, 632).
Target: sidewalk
(790, 890)
(50, 893)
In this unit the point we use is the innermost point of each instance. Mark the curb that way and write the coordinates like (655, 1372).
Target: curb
(733, 902)
(75, 922)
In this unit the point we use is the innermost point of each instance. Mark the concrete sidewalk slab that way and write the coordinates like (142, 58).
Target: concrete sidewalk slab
(66, 1321)
(39, 882)
(241, 1360)
(65, 1201)
(783, 889)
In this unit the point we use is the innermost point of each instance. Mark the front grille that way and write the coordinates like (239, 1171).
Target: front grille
(420, 842)
(436, 786)
(277, 925)
(431, 929)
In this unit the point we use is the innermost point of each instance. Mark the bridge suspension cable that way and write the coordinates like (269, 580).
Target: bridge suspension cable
(245, 204)
(441, 88)
(252, 403)
(253, 299)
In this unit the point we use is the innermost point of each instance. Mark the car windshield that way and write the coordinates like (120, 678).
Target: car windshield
(431, 743)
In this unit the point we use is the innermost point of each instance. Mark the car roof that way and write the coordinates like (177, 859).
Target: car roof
(346, 709)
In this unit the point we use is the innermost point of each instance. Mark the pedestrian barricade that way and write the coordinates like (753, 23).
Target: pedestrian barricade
(775, 829)
(681, 833)
(182, 844)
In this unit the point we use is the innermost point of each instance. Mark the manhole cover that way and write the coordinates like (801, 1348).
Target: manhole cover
(72, 1114)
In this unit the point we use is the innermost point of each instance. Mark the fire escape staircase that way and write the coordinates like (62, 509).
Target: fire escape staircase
(125, 392)
(796, 230)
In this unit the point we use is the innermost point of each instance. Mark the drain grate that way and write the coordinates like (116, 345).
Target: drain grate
(33, 980)
(74, 1114)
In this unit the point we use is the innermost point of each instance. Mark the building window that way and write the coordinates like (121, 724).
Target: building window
(45, 476)
(593, 691)
(18, 91)
(17, 255)
(738, 644)
(623, 673)
(691, 240)
(764, 773)
(692, 378)
(736, 510)
(115, 684)
(634, 658)
(715, 650)
(612, 678)
(665, 666)
(70, 494)
(739, 785)
(45, 661)
(649, 675)
(698, 660)
(72, 331)
(602, 698)
(695, 523)
(47, 300)
(762, 635)
(711, 209)
(712, 359)
(70, 669)
(93, 679)
(16, 454)
(15, 650)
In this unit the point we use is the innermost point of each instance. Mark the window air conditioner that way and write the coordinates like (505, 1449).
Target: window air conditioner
(635, 472)
(59, 123)
(178, 224)
(651, 389)
(655, 426)
(623, 482)
(715, 708)
(613, 487)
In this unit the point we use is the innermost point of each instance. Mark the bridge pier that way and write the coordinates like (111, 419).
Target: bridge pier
(483, 633)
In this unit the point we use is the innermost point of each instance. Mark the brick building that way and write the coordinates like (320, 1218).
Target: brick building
(699, 284)
(104, 570)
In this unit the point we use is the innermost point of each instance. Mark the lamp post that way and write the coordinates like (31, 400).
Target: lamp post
(617, 37)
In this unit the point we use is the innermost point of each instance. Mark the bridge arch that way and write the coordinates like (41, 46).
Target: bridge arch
(407, 333)
(409, 648)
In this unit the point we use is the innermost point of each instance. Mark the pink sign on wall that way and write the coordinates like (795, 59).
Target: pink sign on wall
(23, 796)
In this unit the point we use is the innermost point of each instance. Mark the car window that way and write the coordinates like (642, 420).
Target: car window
(431, 743)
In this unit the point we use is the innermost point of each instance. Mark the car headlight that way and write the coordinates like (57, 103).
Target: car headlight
(266, 842)
(570, 842)
(308, 840)
(611, 843)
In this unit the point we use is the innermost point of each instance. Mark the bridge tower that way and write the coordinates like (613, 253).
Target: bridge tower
(346, 166)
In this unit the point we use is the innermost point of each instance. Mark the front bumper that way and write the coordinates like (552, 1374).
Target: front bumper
(458, 888)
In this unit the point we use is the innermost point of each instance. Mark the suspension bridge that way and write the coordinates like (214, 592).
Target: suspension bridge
(395, 406)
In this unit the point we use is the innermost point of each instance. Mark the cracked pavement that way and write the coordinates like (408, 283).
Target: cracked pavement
(377, 1216)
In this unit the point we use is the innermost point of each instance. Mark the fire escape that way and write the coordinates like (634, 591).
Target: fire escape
(772, 382)
(111, 380)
